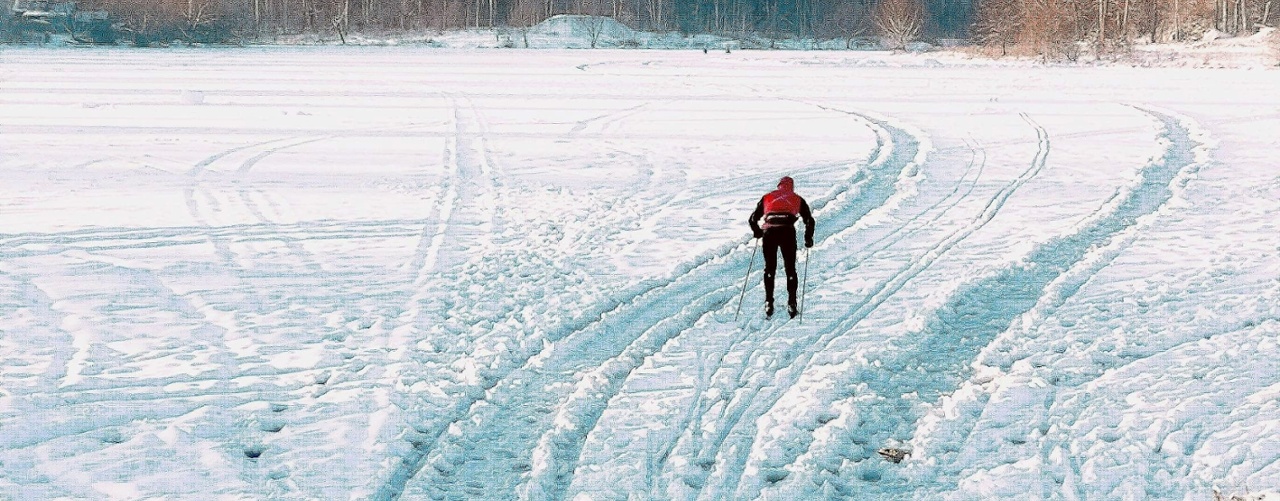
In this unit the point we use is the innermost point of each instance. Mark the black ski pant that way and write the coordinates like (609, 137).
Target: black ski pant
(780, 238)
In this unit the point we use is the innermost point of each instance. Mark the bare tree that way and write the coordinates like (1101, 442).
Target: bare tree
(148, 22)
(845, 19)
(656, 10)
(339, 24)
(999, 23)
(900, 21)
(523, 16)
(594, 26)
(1102, 27)
(1051, 28)
(199, 15)
(593, 19)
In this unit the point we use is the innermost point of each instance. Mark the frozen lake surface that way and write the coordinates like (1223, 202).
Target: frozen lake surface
(354, 273)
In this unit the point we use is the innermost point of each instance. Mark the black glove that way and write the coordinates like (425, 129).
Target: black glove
(757, 233)
(808, 242)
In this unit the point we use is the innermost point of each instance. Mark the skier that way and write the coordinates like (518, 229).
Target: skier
(780, 209)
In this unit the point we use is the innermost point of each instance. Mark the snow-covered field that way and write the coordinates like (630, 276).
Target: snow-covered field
(370, 273)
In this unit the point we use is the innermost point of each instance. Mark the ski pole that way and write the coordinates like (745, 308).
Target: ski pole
(746, 279)
(805, 284)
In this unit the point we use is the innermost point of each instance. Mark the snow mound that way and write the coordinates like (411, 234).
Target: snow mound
(584, 26)
(1214, 49)
(568, 31)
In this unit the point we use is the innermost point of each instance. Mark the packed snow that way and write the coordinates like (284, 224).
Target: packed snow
(425, 273)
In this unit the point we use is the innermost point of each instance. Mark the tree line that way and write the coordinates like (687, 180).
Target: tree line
(1065, 28)
(1053, 28)
(775, 18)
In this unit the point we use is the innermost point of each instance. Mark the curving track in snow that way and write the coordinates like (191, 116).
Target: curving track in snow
(558, 449)
(494, 432)
(926, 364)
(454, 276)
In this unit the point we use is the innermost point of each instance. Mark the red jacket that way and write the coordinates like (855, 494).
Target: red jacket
(782, 201)
(782, 208)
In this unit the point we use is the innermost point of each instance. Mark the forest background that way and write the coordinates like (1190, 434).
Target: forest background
(1050, 29)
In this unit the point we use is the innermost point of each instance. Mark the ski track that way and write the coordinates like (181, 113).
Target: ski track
(468, 219)
(605, 121)
(897, 234)
(102, 239)
(937, 357)
(196, 190)
(293, 244)
(200, 174)
(145, 294)
(901, 154)
(245, 198)
(487, 408)
(464, 225)
(796, 359)
(424, 440)
(471, 391)
(706, 459)
(468, 214)
(435, 224)
(558, 450)
(199, 187)
(232, 380)
(85, 405)
(426, 432)
(432, 237)
(775, 467)
(474, 200)
(1160, 183)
